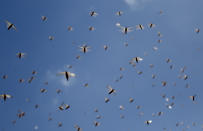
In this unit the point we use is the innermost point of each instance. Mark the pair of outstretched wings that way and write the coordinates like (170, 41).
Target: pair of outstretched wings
(10, 25)
(7, 96)
(63, 73)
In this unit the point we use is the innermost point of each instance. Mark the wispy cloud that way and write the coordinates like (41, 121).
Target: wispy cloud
(132, 3)
(135, 4)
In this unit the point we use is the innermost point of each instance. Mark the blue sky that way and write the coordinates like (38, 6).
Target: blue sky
(100, 68)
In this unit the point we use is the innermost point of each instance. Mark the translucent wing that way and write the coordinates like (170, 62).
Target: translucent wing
(60, 73)
(8, 23)
(72, 74)
(119, 25)
(8, 96)
(14, 27)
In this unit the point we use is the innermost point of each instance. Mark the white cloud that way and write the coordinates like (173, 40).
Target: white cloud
(134, 4)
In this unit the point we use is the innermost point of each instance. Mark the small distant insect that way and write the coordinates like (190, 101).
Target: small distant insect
(20, 55)
(86, 85)
(185, 77)
(153, 76)
(34, 72)
(21, 114)
(21, 80)
(139, 27)
(171, 67)
(93, 13)
(70, 28)
(5, 96)
(96, 110)
(67, 74)
(159, 41)
(137, 59)
(96, 123)
(31, 79)
(163, 95)
(155, 48)
(98, 117)
(105, 47)
(51, 37)
(126, 44)
(119, 13)
(58, 91)
(111, 90)
(182, 70)
(151, 25)
(77, 128)
(139, 72)
(60, 124)
(14, 122)
(170, 106)
(159, 34)
(44, 18)
(121, 107)
(131, 100)
(61, 107)
(197, 30)
(49, 119)
(91, 28)
(193, 98)
(36, 106)
(160, 12)
(148, 122)
(106, 100)
(122, 69)
(69, 66)
(78, 57)
(64, 107)
(164, 83)
(43, 90)
(168, 60)
(10, 25)
(160, 113)
(5, 76)
(84, 48)
(121, 77)
(138, 107)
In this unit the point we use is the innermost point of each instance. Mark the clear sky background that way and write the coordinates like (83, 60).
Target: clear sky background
(100, 68)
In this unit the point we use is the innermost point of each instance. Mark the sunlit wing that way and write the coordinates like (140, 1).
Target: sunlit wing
(118, 25)
(8, 23)
(72, 74)
(109, 87)
(8, 96)
(60, 73)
